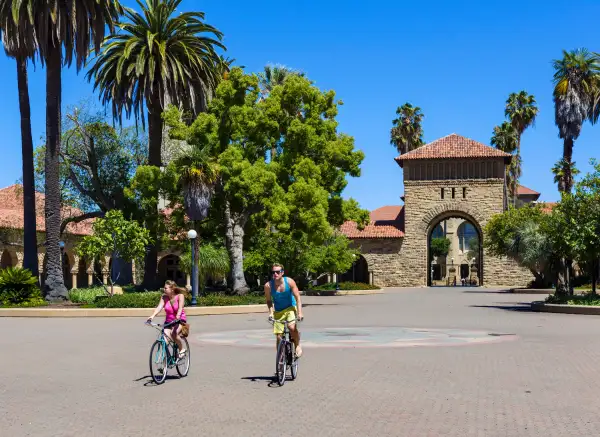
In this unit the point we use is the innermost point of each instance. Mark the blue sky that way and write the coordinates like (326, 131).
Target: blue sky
(457, 60)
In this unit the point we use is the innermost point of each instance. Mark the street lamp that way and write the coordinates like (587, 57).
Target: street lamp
(192, 234)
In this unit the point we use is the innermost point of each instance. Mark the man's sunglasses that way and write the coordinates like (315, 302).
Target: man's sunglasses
(276, 271)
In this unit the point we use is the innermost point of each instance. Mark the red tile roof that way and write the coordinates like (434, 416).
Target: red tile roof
(524, 191)
(11, 212)
(548, 206)
(386, 222)
(453, 146)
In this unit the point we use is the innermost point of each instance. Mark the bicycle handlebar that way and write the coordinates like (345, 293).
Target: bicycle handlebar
(165, 326)
(285, 322)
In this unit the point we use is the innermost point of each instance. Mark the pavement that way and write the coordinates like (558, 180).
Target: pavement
(90, 377)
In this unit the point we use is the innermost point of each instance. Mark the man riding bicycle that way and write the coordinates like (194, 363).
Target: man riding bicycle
(283, 293)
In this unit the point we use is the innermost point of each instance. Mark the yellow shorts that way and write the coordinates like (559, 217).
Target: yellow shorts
(288, 314)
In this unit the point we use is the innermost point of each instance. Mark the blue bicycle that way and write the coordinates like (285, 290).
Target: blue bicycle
(161, 357)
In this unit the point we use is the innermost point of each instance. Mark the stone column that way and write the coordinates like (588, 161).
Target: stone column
(370, 278)
(19, 259)
(74, 279)
(188, 281)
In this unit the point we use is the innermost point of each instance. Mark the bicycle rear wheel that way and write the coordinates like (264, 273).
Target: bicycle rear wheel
(281, 363)
(158, 362)
(293, 361)
(183, 365)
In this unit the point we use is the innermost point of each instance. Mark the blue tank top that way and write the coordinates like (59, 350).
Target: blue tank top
(283, 299)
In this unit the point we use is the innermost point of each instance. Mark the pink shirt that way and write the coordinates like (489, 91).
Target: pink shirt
(171, 310)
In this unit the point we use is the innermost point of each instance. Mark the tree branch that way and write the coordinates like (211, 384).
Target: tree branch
(79, 219)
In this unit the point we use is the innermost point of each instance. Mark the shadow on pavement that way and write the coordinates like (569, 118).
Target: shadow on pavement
(150, 382)
(272, 380)
(488, 291)
(519, 307)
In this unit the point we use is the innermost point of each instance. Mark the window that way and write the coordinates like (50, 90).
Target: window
(442, 194)
(438, 232)
(453, 192)
(464, 192)
(468, 238)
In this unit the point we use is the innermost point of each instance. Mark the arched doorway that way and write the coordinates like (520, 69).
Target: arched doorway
(82, 275)
(168, 269)
(67, 262)
(7, 260)
(359, 272)
(454, 251)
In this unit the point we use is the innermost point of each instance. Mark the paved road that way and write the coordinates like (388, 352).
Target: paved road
(73, 377)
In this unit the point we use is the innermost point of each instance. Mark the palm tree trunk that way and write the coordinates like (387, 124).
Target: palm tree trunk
(30, 259)
(234, 239)
(567, 160)
(155, 131)
(54, 287)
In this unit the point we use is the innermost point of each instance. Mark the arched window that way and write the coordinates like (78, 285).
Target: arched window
(438, 232)
(466, 236)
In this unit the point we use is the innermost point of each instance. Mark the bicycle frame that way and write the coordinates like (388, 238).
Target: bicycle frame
(166, 341)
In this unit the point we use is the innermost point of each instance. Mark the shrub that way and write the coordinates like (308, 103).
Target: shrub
(584, 299)
(17, 286)
(151, 298)
(86, 295)
(346, 286)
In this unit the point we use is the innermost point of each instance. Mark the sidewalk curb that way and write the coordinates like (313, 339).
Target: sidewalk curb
(565, 309)
(127, 312)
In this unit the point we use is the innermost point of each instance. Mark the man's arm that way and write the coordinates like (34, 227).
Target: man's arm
(268, 298)
(296, 292)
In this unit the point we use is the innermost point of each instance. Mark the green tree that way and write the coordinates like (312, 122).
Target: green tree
(439, 246)
(522, 234)
(64, 31)
(576, 83)
(21, 47)
(114, 235)
(521, 109)
(159, 57)
(505, 138)
(274, 75)
(299, 194)
(407, 133)
(211, 261)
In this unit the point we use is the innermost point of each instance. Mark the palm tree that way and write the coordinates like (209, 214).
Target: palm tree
(65, 31)
(576, 83)
(158, 58)
(558, 172)
(407, 133)
(274, 75)
(505, 139)
(521, 110)
(22, 47)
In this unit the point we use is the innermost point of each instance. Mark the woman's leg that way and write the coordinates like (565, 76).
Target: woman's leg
(177, 339)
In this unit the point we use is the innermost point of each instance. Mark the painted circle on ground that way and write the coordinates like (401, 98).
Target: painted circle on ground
(347, 337)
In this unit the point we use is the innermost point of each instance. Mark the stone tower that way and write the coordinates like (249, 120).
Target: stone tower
(453, 177)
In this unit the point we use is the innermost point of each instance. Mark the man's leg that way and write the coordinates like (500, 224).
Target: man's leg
(296, 338)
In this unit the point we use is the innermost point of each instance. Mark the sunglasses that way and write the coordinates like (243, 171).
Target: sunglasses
(276, 272)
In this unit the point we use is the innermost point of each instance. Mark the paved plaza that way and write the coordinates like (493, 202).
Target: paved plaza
(410, 362)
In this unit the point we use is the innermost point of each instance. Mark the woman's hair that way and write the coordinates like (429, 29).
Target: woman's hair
(176, 289)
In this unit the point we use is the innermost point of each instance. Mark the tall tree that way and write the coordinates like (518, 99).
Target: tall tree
(407, 133)
(300, 192)
(521, 109)
(65, 31)
(21, 47)
(576, 82)
(505, 138)
(274, 75)
(160, 57)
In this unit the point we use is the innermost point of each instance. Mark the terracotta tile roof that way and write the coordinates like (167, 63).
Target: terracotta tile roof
(386, 222)
(11, 212)
(524, 191)
(453, 146)
(548, 206)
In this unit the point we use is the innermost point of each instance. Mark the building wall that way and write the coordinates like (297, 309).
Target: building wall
(403, 262)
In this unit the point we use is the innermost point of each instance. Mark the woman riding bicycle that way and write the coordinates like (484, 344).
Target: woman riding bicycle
(173, 302)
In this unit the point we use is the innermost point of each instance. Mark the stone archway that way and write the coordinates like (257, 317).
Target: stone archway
(8, 259)
(168, 269)
(463, 262)
(359, 272)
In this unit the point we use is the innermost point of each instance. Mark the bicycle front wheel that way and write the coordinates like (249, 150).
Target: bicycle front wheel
(183, 364)
(158, 362)
(281, 363)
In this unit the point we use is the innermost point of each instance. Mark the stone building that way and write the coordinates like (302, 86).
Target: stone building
(452, 187)
(77, 272)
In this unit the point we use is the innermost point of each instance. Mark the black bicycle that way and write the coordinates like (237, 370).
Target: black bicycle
(286, 353)
(161, 357)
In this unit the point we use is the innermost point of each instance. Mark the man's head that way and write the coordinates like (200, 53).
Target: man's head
(277, 271)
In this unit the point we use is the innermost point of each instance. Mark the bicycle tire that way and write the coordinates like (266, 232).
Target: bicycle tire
(281, 363)
(183, 366)
(158, 352)
(294, 363)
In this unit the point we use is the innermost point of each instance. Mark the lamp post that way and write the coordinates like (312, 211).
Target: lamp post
(192, 234)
